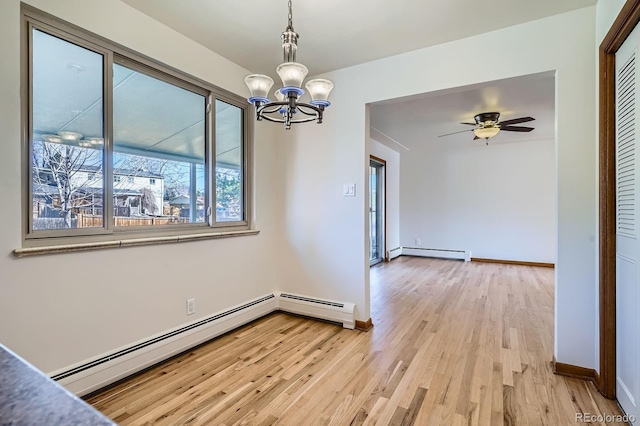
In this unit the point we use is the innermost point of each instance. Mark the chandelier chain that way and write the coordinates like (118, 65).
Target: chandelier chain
(290, 17)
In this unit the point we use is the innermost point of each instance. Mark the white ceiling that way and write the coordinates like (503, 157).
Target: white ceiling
(422, 119)
(337, 33)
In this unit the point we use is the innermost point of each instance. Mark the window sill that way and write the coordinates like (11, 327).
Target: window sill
(66, 248)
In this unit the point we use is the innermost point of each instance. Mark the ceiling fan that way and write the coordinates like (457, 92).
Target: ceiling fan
(487, 125)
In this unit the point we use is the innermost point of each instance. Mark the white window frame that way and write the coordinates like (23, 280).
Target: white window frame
(114, 53)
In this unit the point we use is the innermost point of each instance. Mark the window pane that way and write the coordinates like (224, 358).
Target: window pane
(67, 128)
(159, 151)
(229, 159)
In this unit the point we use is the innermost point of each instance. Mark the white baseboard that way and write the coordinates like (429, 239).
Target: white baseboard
(95, 373)
(437, 253)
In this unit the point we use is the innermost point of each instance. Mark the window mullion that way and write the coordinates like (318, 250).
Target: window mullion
(211, 159)
(108, 138)
(28, 145)
(246, 173)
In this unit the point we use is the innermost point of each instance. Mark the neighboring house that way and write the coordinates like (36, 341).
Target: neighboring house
(135, 182)
(87, 183)
(181, 206)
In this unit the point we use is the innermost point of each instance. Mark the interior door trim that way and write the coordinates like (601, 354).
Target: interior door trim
(622, 27)
(383, 256)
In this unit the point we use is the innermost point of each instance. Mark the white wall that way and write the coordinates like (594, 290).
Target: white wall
(497, 201)
(606, 12)
(392, 194)
(325, 234)
(57, 310)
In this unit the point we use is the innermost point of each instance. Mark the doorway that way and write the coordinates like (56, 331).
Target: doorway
(627, 248)
(619, 355)
(376, 210)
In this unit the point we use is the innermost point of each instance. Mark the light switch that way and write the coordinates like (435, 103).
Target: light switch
(349, 190)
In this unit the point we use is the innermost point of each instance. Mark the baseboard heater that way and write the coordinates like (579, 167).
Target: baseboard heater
(393, 253)
(90, 375)
(438, 253)
(318, 308)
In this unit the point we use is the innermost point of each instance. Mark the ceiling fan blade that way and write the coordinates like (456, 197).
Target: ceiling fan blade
(516, 121)
(516, 129)
(455, 133)
(470, 124)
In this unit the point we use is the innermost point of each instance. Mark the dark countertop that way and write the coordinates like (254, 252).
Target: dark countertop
(28, 397)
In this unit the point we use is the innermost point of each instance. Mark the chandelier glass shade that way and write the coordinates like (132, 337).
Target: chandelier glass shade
(287, 107)
(292, 74)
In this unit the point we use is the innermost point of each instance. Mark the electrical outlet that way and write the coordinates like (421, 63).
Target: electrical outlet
(418, 242)
(191, 306)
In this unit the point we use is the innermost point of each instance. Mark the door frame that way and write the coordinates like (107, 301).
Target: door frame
(383, 256)
(622, 27)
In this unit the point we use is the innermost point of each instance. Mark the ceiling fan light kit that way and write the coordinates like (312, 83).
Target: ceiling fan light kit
(486, 132)
(487, 125)
(292, 74)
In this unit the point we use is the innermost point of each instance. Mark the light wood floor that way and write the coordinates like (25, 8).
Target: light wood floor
(454, 343)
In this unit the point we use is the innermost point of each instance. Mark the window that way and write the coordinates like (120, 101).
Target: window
(67, 108)
(99, 113)
(229, 175)
(159, 132)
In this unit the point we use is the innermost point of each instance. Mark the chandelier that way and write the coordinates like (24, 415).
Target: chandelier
(287, 108)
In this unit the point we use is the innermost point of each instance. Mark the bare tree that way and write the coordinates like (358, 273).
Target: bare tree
(148, 200)
(70, 177)
(59, 166)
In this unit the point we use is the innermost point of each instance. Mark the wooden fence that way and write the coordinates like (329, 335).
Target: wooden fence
(92, 221)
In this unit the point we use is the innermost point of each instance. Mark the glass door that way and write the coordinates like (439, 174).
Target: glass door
(376, 211)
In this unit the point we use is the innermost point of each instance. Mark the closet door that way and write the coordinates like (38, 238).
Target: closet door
(627, 246)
